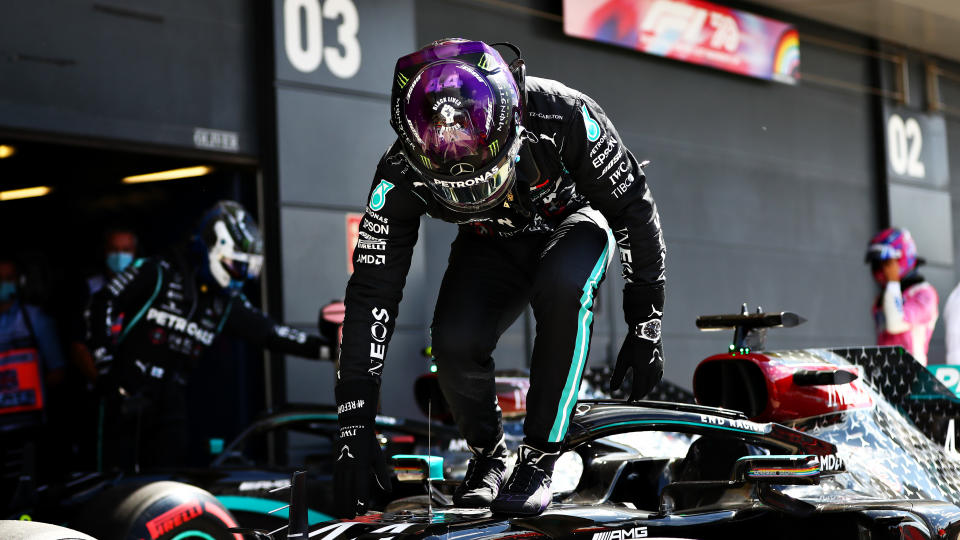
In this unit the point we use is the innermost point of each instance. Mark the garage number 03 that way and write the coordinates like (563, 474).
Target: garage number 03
(303, 36)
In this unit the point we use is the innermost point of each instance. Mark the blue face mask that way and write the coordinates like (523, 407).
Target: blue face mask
(118, 261)
(8, 290)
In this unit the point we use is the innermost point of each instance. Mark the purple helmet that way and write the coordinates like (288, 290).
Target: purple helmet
(457, 110)
(892, 244)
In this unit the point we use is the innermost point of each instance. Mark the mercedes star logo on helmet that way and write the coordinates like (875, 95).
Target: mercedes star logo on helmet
(461, 168)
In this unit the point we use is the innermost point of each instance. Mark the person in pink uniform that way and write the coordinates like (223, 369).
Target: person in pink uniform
(906, 308)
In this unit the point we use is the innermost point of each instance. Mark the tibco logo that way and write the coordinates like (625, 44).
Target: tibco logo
(621, 534)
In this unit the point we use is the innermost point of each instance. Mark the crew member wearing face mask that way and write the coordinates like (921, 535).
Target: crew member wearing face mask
(119, 250)
(77, 419)
(31, 365)
(30, 357)
(153, 322)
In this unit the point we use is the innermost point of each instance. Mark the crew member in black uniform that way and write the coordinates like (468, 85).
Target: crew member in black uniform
(542, 187)
(155, 320)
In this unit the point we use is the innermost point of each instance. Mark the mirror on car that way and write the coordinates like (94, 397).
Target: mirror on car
(417, 468)
(776, 469)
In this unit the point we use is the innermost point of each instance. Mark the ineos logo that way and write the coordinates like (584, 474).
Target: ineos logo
(378, 331)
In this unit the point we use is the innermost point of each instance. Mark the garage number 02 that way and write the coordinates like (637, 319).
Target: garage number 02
(303, 36)
(904, 142)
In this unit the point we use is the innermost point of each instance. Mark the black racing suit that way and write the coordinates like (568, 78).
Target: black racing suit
(578, 191)
(148, 327)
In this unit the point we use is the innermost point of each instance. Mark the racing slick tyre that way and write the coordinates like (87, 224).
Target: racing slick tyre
(34, 530)
(158, 511)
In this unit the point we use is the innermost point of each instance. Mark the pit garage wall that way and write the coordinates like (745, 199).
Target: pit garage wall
(767, 192)
(950, 95)
(919, 189)
(176, 74)
(333, 65)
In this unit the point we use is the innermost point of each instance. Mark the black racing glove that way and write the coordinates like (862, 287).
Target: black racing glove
(359, 460)
(642, 349)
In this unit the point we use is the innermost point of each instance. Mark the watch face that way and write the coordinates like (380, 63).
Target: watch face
(649, 330)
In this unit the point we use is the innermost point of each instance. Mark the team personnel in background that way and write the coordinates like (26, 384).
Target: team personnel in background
(76, 416)
(31, 360)
(905, 311)
(155, 320)
(543, 188)
(119, 249)
(31, 366)
(951, 321)
(120, 245)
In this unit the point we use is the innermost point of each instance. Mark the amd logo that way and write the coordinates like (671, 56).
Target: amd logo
(621, 534)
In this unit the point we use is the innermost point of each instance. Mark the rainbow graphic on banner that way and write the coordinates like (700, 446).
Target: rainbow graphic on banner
(786, 60)
(694, 31)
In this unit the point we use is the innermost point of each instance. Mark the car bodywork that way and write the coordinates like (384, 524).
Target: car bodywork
(242, 480)
(874, 425)
(867, 434)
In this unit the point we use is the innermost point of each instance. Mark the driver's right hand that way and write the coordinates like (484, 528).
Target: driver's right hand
(360, 465)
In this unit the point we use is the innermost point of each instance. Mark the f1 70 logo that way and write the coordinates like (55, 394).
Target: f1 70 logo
(678, 21)
(621, 534)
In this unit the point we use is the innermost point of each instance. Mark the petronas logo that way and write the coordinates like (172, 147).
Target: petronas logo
(402, 79)
(486, 62)
(426, 162)
(495, 147)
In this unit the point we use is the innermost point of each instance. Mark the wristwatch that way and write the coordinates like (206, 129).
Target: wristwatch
(649, 330)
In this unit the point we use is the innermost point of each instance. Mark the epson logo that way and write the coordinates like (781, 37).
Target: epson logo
(621, 534)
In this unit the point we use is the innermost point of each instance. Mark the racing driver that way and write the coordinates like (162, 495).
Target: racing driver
(905, 311)
(542, 188)
(153, 322)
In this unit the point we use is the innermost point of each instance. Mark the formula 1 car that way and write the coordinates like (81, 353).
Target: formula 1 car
(240, 488)
(842, 443)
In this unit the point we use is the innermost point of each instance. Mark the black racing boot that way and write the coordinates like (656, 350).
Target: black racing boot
(484, 476)
(527, 492)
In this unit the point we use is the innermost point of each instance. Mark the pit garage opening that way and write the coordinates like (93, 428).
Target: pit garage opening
(57, 201)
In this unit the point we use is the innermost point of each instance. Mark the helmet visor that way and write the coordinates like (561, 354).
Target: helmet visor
(474, 190)
(882, 252)
(242, 266)
(453, 117)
